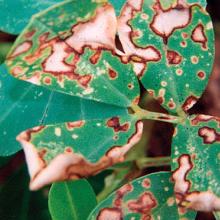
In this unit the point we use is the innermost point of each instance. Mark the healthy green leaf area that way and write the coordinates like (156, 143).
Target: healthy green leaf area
(15, 15)
(149, 197)
(71, 200)
(196, 161)
(117, 4)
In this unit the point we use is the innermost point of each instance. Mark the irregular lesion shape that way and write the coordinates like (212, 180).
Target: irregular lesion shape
(75, 54)
(195, 154)
(98, 32)
(140, 56)
(64, 151)
(165, 22)
(175, 36)
(136, 201)
(198, 35)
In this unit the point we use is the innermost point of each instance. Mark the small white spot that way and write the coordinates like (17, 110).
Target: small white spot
(166, 188)
(75, 136)
(88, 91)
(170, 201)
(144, 16)
(163, 83)
(209, 26)
(58, 132)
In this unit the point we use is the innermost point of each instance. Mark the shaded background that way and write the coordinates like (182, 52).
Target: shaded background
(157, 140)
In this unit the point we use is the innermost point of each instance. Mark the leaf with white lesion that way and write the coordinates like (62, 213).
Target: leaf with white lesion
(75, 54)
(25, 105)
(77, 149)
(163, 39)
(196, 161)
(148, 197)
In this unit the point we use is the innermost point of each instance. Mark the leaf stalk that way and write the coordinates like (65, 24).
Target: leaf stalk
(144, 114)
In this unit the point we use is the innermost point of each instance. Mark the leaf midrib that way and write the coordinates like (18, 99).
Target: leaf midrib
(71, 202)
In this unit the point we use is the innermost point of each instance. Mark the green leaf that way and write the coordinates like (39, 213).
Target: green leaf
(117, 4)
(75, 54)
(170, 55)
(24, 106)
(77, 149)
(71, 200)
(15, 15)
(203, 3)
(149, 197)
(196, 162)
(120, 175)
(4, 49)
(217, 215)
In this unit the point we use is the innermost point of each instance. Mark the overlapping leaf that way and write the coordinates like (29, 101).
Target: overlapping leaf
(23, 105)
(75, 54)
(15, 15)
(149, 197)
(196, 162)
(172, 47)
(217, 215)
(71, 200)
(75, 149)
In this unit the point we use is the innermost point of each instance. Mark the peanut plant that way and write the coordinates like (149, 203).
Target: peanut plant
(80, 115)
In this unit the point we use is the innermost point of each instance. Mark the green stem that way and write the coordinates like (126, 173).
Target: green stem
(153, 162)
(141, 164)
(106, 191)
(144, 114)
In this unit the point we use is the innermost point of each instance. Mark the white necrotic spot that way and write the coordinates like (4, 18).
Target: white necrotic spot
(179, 176)
(209, 26)
(144, 16)
(22, 48)
(75, 136)
(88, 91)
(166, 188)
(176, 153)
(165, 22)
(170, 201)
(55, 62)
(57, 132)
(194, 59)
(98, 32)
(164, 83)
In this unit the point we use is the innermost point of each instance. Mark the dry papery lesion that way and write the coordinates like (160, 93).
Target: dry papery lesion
(63, 167)
(69, 164)
(38, 169)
